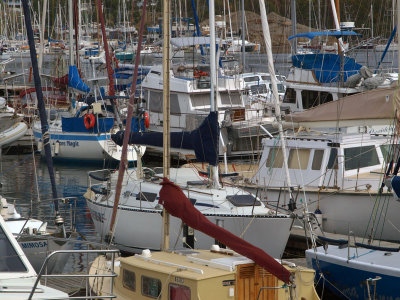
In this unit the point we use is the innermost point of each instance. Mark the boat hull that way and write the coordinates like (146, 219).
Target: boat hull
(12, 134)
(334, 264)
(138, 229)
(348, 211)
(38, 248)
(88, 147)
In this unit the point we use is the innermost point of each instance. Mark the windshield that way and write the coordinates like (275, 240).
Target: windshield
(9, 259)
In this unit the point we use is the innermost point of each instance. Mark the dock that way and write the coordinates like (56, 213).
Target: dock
(75, 286)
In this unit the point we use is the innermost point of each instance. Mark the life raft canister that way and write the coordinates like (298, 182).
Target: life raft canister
(146, 120)
(89, 121)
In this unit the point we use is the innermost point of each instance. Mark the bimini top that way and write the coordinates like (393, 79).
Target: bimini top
(311, 35)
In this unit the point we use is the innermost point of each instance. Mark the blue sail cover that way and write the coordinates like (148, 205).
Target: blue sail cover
(327, 67)
(75, 81)
(203, 140)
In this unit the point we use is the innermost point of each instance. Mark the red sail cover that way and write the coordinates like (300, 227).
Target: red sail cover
(178, 205)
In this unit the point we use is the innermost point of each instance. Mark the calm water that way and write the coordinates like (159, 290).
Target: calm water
(25, 180)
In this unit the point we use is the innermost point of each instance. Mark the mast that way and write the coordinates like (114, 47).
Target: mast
(123, 164)
(111, 91)
(42, 27)
(71, 33)
(335, 5)
(268, 44)
(166, 110)
(294, 23)
(243, 37)
(213, 76)
(42, 110)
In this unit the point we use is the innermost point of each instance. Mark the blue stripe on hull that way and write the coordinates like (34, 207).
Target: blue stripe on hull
(352, 282)
(76, 137)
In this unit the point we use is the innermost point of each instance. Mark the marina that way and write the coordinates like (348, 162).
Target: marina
(184, 151)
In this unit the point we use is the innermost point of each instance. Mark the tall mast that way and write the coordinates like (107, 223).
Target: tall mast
(294, 23)
(213, 88)
(42, 27)
(335, 6)
(111, 91)
(243, 37)
(268, 44)
(71, 32)
(166, 110)
(42, 109)
(123, 163)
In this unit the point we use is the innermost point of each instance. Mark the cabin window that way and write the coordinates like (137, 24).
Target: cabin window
(275, 158)
(266, 77)
(314, 98)
(9, 259)
(388, 150)
(298, 158)
(252, 78)
(360, 157)
(259, 89)
(333, 162)
(279, 86)
(243, 200)
(129, 280)
(200, 100)
(178, 292)
(230, 99)
(317, 160)
(151, 287)
(155, 101)
(146, 196)
(174, 105)
(290, 96)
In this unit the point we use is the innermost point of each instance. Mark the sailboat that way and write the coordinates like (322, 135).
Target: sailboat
(245, 271)
(84, 132)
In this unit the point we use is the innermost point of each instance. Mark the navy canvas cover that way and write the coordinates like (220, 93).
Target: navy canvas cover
(203, 140)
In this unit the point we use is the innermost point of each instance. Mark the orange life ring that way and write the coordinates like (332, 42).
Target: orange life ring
(89, 121)
(146, 120)
(198, 73)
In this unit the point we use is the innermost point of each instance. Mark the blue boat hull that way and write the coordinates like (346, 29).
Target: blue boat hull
(346, 281)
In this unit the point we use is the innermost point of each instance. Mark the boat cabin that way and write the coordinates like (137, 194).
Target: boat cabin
(347, 162)
(202, 274)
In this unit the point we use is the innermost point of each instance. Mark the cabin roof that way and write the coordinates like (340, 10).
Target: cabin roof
(374, 104)
(202, 264)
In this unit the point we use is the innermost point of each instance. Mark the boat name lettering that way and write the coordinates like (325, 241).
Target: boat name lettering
(39, 244)
(97, 216)
(228, 282)
(69, 143)
(179, 279)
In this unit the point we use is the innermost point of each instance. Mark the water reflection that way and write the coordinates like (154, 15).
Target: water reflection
(26, 181)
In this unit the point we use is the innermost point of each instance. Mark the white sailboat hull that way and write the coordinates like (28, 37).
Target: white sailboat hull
(88, 147)
(351, 211)
(138, 229)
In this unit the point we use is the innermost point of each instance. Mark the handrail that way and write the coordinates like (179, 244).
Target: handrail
(40, 274)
